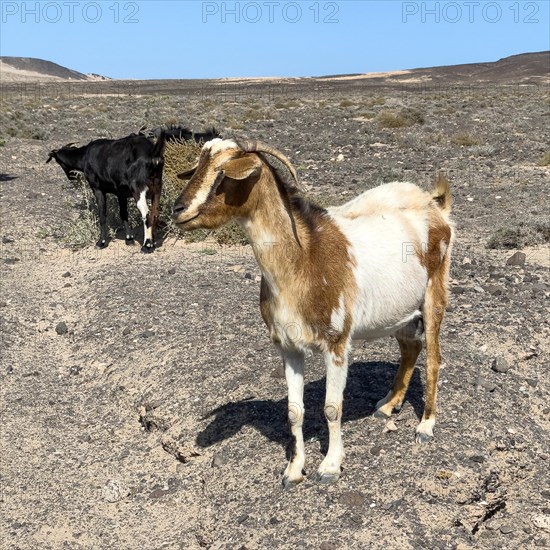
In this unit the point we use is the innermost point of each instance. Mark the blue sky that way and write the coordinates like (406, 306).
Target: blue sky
(212, 39)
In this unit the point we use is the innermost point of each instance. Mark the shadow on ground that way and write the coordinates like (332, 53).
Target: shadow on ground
(367, 383)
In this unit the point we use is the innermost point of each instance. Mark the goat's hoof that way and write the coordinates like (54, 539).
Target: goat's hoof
(378, 413)
(129, 241)
(101, 244)
(326, 478)
(148, 248)
(290, 483)
(422, 438)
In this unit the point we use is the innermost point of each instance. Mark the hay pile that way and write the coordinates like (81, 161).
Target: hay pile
(179, 156)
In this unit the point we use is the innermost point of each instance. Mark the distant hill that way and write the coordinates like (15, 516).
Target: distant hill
(522, 68)
(26, 69)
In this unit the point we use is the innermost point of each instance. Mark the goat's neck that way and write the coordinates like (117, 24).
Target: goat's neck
(277, 235)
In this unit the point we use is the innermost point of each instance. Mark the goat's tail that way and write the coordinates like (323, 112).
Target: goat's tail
(442, 194)
(158, 149)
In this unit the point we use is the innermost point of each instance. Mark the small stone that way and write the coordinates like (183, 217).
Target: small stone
(477, 458)
(518, 258)
(542, 521)
(114, 491)
(148, 334)
(11, 261)
(506, 529)
(493, 290)
(248, 275)
(9, 370)
(66, 274)
(172, 271)
(7, 239)
(274, 521)
(352, 499)
(328, 546)
(376, 450)
(75, 369)
(466, 261)
(487, 385)
(389, 427)
(340, 158)
(126, 331)
(242, 518)
(158, 493)
(61, 328)
(67, 285)
(3, 304)
(278, 372)
(219, 459)
(500, 365)
(458, 290)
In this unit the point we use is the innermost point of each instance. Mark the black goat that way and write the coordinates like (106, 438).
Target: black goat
(128, 167)
(180, 133)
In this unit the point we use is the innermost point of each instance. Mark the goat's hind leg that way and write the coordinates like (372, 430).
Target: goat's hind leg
(433, 311)
(410, 345)
(294, 372)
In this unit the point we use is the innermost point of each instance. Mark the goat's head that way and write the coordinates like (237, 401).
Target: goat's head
(224, 182)
(64, 160)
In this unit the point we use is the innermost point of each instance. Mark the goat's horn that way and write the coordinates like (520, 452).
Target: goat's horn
(251, 146)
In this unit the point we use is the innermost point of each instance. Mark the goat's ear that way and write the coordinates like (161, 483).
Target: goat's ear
(242, 168)
(186, 174)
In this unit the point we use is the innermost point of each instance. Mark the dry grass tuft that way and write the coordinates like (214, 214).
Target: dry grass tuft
(402, 119)
(466, 140)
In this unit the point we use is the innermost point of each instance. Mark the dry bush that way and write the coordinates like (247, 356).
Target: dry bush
(466, 140)
(402, 119)
(521, 235)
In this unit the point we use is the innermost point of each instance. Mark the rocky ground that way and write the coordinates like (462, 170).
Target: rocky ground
(142, 403)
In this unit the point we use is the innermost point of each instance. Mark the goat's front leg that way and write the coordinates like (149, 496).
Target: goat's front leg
(148, 245)
(102, 210)
(154, 214)
(337, 371)
(294, 372)
(123, 210)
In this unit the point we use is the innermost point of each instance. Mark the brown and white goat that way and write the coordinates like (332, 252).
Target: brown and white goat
(373, 267)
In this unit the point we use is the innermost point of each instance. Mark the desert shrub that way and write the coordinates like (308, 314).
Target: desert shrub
(466, 140)
(520, 236)
(346, 103)
(545, 160)
(402, 119)
(486, 150)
